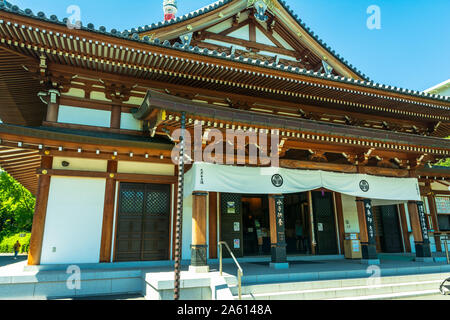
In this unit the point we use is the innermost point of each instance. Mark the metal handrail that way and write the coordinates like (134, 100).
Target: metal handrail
(445, 238)
(240, 271)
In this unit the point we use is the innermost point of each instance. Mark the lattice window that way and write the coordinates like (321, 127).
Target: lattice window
(157, 203)
(132, 201)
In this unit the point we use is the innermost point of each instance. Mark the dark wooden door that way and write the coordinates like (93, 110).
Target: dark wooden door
(231, 228)
(391, 239)
(324, 222)
(143, 232)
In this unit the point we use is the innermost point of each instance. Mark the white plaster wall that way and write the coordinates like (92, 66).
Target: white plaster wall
(128, 122)
(146, 168)
(97, 95)
(439, 187)
(261, 38)
(350, 211)
(80, 164)
(84, 116)
(187, 229)
(242, 33)
(73, 224)
(75, 92)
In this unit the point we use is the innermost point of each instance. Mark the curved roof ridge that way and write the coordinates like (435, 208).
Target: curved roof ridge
(205, 52)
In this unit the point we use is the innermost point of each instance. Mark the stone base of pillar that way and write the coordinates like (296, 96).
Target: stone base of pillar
(370, 262)
(202, 269)
(199, 255)
(369, 251)
(427, 260)
(279, 253)
(279, 266)
(423, 250)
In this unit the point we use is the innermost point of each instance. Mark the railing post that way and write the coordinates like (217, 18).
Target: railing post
(240, 284)
(446, 248)
(220, 259)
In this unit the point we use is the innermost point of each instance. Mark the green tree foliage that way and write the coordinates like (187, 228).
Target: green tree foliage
(445, 163)
(7, 244)
(16, 206)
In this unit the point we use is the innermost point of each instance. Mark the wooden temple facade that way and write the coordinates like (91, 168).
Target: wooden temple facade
(89, 119)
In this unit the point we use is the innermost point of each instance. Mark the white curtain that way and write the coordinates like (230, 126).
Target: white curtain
(250, 180)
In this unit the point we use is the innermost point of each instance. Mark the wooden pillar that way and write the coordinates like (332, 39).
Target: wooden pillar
(52, 106)
(366, 229)
(433, 212)
(340, 218)
(116, 112)
(213, 225)
(404, 223)
(108, 213)
(40, 212)
(199, 246)
(417, 219)
(277, 231)
(311, 224)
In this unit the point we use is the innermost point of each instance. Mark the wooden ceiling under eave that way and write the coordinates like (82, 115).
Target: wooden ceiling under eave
(19, 102)
(21, 164)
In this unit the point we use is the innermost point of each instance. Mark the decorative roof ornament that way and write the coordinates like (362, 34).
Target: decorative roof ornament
(261, 7)
(170, 9)
(327, 68)
(186, 39)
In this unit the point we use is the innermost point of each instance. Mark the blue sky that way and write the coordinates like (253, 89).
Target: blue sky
(411, 50)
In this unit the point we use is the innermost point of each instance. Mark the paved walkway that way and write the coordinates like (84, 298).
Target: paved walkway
(327, 270)
(9, 265)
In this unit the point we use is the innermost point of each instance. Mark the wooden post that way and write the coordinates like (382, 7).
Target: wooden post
(52, 106)
(421, 240)
(116, 112)
(277, 231)
(213, 225)
(311, 225)
(404, 223)
(108, 213)
(199, 247)
(340, 218)
(366, 229)
(174, 222)
(40, 212)
(433, 211)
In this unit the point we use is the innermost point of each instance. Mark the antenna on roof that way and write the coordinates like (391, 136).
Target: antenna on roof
(170, 9)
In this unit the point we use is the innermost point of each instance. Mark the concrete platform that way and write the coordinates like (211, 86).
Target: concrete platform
(18, 281)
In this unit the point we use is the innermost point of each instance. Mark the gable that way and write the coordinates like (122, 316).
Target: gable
(238, 27)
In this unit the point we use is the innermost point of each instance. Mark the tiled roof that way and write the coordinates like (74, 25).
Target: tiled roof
(126, 35)
(221, 3)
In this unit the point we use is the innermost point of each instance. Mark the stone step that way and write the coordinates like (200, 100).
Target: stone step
(347, 288)
(342, 283)
(394, 296)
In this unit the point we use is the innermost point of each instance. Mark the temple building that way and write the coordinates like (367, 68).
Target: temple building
(129, 139)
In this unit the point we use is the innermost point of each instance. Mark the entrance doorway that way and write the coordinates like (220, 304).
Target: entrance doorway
(297, 221)
(143, 222)
(387, 226)
(256, 224)
(324, 223)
